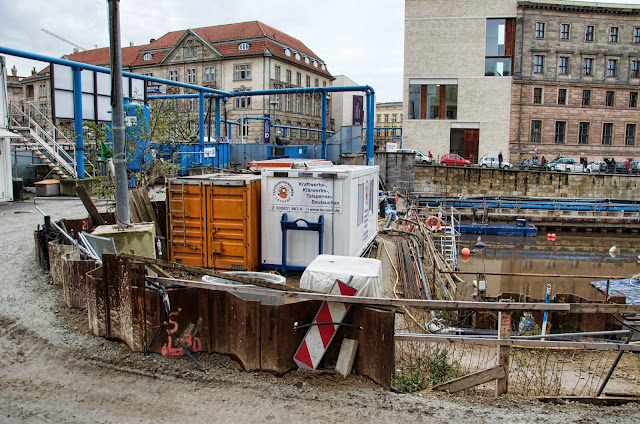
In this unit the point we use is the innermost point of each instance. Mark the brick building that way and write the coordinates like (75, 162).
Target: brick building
(576, 81)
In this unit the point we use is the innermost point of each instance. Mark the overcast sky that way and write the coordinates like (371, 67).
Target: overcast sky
(362, 39)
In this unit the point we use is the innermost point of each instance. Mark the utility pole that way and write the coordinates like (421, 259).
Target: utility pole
(117, 116)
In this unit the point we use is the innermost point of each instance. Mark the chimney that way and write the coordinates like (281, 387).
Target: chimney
(152, 40)
(14, 71)
(76, 50)
(34, 72)
(130, 43)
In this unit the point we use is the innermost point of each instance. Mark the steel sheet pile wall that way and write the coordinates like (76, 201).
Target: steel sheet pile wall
(260, 337)
(69, 271)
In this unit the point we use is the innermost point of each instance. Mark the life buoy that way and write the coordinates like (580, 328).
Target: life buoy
(434, 227)
(408, 226)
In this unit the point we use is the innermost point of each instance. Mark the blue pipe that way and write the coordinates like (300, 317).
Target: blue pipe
(370, 124)
(201, 125)
(43, 58)
(77, 121)
(324, 125)
(257, 118)
(218, 119)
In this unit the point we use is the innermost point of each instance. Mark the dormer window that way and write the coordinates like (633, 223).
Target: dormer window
(297, 56)
(315, 63)
(323, 67)
(287, 52)
(243, 47)
(306, 60)
(147, 56)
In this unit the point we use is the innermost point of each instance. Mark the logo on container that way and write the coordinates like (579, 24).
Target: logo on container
(283, 191)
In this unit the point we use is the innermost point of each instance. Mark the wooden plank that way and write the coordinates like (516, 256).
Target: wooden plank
(89, 206)
(550, 344)
(146, 200)
(504, 333)
(471, 380)
(370, 301)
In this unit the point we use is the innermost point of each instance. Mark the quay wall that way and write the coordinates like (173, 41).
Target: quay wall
(466, 182)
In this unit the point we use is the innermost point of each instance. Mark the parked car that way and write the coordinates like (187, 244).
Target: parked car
(531, 163)
(453, 159)
(492, 162)
(551, 166)
(596, 166)
(568, 165)
(420, 157)
(635, 166)
(620, 168)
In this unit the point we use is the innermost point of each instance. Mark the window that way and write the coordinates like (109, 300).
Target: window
(561, 129)
(394, 118)
(288, 76)
(386, 118)
(633, 99)
(583, 136)
(536, 131)
(173, 76)
(564, 31)
(607, 133)
(43, 109)
(562, 96)
(612, 64)
(378, 118)
(538, 64)
(191, 51)
(433, 101)
(191, 76)
(42, 90)
(587, 67)
(563, 65)
(586, 97)
(298, 79)
(242, 102)
(275, 101)
(634, 68)
(191, 104)
(210, 74)
(149, 74)
(298, 103)
(277, 73)
(297, 56)
(287, 52)
(243, 47)
(500, 44)
(316, 106)
(609, 98)
(316, 83)
(539, 29)
(589, 33)
(537, 95)
(613, 35)
(242, 72)
(147, 56)
(243, 130)
(288, 102)
(308, 81)
(630, 135)
(636, 35)
(307, 105)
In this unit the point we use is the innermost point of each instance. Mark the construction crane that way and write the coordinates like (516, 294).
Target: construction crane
(63, 39)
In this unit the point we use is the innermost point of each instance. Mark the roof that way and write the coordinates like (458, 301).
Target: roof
(580, 6)
(100, 57)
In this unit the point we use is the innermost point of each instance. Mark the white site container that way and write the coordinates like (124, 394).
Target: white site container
(347, 198)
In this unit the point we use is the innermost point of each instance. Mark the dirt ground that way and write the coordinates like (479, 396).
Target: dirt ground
(53, 370)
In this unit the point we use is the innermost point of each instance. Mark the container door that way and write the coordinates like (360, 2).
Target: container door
(227, 227)
(186, 223)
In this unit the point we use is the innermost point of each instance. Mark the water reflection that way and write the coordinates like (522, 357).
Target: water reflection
(569, 254)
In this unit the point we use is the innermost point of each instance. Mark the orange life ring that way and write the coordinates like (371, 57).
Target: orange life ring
(435, 227)
(408, 226)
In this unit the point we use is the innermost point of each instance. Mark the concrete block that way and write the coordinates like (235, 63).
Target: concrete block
(68, 186)
(346, 357)
(138, 239)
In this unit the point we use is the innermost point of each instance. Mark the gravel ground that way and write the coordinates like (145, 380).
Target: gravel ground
(53, 370)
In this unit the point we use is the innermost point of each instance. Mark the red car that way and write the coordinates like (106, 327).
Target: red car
(453, 159)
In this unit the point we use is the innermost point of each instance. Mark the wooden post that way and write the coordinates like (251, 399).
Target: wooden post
(88, 204)
(504, 332)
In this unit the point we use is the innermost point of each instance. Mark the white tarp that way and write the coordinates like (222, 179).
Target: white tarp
(323, 271)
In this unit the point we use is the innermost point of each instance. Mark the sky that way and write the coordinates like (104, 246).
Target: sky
(362, 39)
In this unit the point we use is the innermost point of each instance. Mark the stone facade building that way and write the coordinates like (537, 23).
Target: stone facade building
(576, 81)
(388, 115)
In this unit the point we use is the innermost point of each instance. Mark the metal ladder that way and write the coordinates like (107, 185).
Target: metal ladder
(177, 216)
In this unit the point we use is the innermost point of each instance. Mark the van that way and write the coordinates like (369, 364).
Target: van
(420, 157)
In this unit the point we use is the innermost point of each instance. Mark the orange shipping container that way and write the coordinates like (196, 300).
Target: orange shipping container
(213, 221)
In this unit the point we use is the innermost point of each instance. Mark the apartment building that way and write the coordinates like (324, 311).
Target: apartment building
(388, 115)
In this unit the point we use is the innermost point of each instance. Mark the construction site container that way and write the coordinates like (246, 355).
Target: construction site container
(340, 202)
(213, 221)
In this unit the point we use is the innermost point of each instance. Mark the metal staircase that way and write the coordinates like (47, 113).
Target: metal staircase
(53, 148)
(446, 240)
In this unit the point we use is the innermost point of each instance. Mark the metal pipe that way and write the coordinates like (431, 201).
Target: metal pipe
(218, 122)
(547, 299)
(371, 102)
(613, 367)
(201, 124)
(117, 116)
(524, 274)
(323, 137)
(77, 122)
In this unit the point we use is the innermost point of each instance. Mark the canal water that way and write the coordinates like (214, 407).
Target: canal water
(571, 254)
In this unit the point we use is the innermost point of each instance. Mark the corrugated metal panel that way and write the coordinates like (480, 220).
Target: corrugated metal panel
(186, 223)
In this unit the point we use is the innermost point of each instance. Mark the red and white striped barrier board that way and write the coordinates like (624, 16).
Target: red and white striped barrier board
(318, 337)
